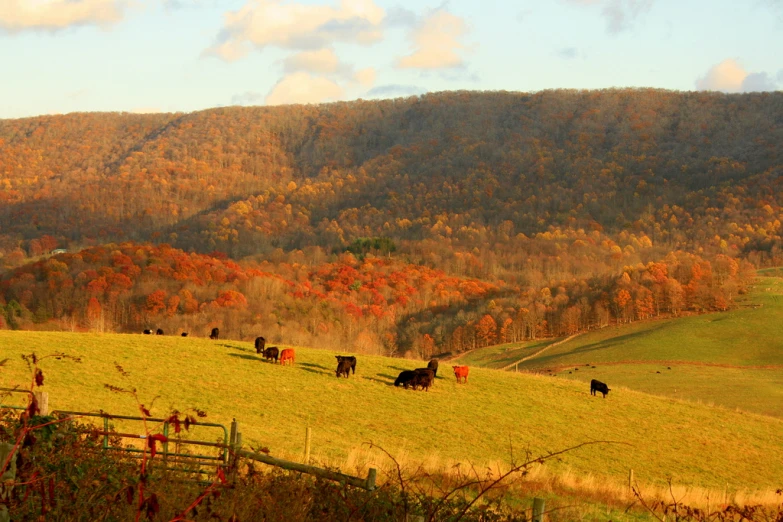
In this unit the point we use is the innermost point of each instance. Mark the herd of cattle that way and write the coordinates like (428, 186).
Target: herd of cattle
(420, 378)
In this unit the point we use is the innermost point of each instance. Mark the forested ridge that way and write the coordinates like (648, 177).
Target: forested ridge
(566, 209)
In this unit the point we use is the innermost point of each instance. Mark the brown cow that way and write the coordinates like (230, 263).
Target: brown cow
(433, 365)
(405, 378)
(260, 343)
(271, 353)
(423, 378)
(215, 333)
(351, 361)
(287, 355)
(343, 368)
(461, 372)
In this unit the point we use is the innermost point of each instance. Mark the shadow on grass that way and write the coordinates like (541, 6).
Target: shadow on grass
(551, 360)
(387, 380)
(311, 365)
(317, 372)
(248, 357)
(237, 348)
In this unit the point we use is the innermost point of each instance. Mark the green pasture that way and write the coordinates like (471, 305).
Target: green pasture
(501, 355)
(732, 359)
(659, 438)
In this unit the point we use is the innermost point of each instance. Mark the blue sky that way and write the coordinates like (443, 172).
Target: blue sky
(61, 56)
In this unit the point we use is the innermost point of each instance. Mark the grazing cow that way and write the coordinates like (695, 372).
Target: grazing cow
(271, 353)
(433, 365)
(423, 378)
(287, 355)
(147, 332)
(158, 332)
(343, 368)
(184, 334)
(461, 372)
(351, 360)
(598, 386)
(405, 378)
(260, 343)
(215, 333)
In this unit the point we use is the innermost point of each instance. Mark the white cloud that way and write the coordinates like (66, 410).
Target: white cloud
(301, 87)
(730, 76)
(322, 61)
(53, 15)
(263, 23)
(366, 77)
(436, 41)
(619, 14)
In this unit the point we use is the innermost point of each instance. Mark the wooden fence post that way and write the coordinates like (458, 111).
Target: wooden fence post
(308, 438)
(8, 475)
(630, 480)
(42, 399)
(235, 448)
(232, 437)
(371, 479)
(538, 510)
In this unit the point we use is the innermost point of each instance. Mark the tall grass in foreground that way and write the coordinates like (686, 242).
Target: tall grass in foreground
(541, 480)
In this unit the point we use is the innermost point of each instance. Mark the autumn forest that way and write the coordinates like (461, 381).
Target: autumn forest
(421, 225)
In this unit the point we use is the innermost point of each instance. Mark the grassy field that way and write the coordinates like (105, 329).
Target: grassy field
(501, 355)
(661, 438)
(733, 359)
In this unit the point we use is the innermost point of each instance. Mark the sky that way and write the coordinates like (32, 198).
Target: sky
(61, 56)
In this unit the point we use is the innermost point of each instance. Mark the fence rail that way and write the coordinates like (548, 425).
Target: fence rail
(231, 447)
(368, 483)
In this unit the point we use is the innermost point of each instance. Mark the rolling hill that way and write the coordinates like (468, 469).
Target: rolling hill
(733, 359)
(479, 422)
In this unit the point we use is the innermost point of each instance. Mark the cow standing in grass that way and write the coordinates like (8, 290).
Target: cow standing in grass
(287, 356)
(148, 332)
(159, 332)
(351, 361)
(260, 343)
(423, 378)
(433, 365)
(343, 368)
(271, 353)
(598, 386)
(215, 333)
(405, 378)
(461, 372)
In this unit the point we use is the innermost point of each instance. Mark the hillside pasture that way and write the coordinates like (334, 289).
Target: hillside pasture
(501, 355)
(733, 359)
(479, 422)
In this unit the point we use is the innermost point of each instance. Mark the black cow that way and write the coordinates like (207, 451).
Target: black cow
(423, 378)
(343, 368)
(433, 365)
(158, 332)
(184, 334)
(147, 332)
(260, 343)
(351, 360)
(405, 378)
(271, 353)
(598, 386)
(215, 333)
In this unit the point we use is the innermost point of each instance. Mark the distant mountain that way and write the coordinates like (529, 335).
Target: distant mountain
(470, 168)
